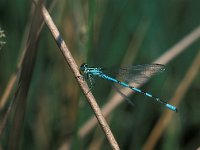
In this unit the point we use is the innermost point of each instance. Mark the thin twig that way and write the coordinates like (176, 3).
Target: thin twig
(14, 76)
(179, 47)
(178, 95)
(75, 69)
(116, 98)
(5, 118)
(8, 90)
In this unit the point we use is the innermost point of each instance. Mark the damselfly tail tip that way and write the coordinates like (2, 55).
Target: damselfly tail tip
(171, 107)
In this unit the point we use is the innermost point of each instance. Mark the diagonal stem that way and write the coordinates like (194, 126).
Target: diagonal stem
(75, 69)
(167, 115)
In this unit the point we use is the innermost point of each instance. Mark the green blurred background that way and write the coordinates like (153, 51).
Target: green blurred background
(101, 33)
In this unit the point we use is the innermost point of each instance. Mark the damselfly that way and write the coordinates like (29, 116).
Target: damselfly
(141, 72)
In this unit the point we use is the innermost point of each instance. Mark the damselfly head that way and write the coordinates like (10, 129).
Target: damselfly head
(83, 67)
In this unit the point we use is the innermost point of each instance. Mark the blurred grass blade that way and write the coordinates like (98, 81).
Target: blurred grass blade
(164, 120)
(20, 98)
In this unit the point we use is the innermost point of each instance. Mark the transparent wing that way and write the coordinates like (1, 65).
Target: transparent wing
(139, 73)
(123, 95)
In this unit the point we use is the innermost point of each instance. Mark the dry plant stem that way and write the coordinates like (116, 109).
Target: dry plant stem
(96, 141)
(13, 77)
(4, 98)
(20, 98)
(116, 99)
(179, 47)
(167, 115)
(5, 118)
(75, 69)
(13, 80)
(8, 90)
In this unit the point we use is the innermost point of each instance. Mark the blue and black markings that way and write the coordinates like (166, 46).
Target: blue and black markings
(93, 71)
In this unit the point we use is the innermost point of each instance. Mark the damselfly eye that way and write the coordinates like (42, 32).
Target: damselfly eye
(83, 67)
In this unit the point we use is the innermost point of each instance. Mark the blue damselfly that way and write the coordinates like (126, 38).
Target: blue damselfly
(141, 73)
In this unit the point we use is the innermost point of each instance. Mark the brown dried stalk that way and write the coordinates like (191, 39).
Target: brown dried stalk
(178, 95)
(13, 77)
(21, 93)
(75, 69)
